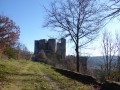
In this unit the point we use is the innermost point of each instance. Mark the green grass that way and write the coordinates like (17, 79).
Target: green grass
(28, 75)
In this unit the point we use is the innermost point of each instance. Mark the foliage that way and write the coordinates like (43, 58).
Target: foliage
(118, 62)
(9, 33)
(115, 76)
(99, 74)
(16, 52)
(22, 52)
(10, 53)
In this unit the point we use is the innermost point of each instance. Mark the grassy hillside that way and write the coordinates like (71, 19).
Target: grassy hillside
(28, 75)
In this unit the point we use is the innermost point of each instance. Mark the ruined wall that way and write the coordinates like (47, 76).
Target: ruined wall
(61, 48)
(36, 47)
(51, 48)
(39, 45)
(56, 53)
(52, 45)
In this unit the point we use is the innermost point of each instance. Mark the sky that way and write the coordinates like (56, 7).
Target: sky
(30, 15)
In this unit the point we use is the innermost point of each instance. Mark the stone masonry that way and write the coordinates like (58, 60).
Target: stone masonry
(51, 47)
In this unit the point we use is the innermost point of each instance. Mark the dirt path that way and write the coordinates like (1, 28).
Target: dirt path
(52, 82)
(14, 82)
(27, 75)
(30, 74)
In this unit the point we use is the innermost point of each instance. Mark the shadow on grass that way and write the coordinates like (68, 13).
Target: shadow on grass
(24, 77)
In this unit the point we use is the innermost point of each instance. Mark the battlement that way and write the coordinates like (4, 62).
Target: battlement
(51, 47)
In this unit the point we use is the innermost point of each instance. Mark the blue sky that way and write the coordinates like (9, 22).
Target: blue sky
(30, 16)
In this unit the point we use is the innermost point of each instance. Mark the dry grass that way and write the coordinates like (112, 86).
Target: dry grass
(28, 75)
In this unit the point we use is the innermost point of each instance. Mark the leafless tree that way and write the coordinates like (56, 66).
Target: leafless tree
(22, 52)
(109, 51)
(112, 9)
(118, 46)
(77, 19)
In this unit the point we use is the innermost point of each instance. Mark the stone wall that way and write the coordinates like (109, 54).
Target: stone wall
(61, 48)
(86, 79)
(77, 76)
(50, 47)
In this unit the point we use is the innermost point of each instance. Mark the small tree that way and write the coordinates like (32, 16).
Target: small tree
(9, 33)
(118, 46)
(109, 51)
(25, 53)
(77, 19)
(10, 52)
(22, 52)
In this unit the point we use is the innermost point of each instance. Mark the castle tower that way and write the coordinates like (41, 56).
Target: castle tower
(52, 45)
(39, 45)
(36, 47)
(59, 49)
(42, 44)
(63, 47)
(50, 48)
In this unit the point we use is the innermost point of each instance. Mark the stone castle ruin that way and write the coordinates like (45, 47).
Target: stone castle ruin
(51, 48)
(54, 53)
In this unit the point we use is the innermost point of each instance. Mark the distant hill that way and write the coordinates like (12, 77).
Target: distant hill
(95, 61)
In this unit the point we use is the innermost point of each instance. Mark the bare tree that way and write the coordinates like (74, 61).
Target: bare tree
(77, 19)
(109, 51)
(115, 8)
(118, 46)
(118, 63)
(112, 9)
(22, 52)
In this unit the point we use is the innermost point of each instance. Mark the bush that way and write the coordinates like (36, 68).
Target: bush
(115, 76)
(3, 57)
(10, 53)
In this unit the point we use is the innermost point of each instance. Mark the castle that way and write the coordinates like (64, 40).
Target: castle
(51, 47)
(55, 53)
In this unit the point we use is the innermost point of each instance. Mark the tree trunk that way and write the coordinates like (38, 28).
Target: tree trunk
(77, 57)
(110, 66)
(118, 63)
(107, 66)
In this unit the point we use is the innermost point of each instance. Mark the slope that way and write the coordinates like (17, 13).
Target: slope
(28, 75)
